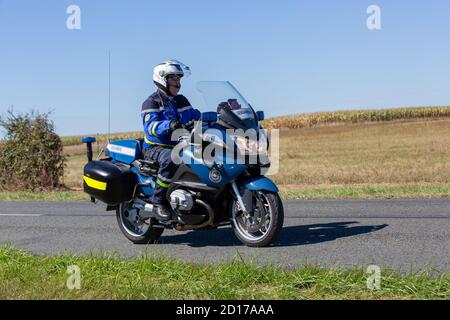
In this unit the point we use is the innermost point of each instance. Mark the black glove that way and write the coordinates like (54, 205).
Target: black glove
(174, 125)
(190, 125)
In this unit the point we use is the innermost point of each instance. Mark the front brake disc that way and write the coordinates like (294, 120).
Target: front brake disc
(257, 221)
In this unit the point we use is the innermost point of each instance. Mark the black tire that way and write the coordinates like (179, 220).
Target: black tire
(277, 217)
(151, 236)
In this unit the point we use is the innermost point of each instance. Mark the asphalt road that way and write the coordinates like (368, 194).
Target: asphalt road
(403, 235)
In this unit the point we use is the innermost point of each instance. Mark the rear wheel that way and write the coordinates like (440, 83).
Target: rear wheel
(136, 230)
(261, 226)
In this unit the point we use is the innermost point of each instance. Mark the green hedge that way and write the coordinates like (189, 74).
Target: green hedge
(31, 155)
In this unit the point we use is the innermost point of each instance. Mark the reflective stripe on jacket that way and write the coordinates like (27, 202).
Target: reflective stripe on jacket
(157, 113)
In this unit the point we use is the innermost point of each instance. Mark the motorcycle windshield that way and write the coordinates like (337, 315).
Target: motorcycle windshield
(233, 110)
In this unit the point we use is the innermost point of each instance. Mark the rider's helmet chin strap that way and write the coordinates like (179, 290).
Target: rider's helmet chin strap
(168, 90)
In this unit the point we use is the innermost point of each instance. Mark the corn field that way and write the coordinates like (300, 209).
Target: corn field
(309, 120)
(102, 138)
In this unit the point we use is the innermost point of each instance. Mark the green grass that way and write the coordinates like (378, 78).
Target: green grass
(370, 192)
(24, 276)
(44, 196)
(305, 193)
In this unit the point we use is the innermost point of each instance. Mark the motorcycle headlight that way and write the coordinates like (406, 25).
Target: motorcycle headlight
(263, 143)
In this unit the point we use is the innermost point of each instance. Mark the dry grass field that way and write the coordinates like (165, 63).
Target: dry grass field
(73, 173)
(407, 153)
(316, 119)
(379, 153)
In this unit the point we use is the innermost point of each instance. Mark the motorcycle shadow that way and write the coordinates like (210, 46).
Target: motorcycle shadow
(289, 235)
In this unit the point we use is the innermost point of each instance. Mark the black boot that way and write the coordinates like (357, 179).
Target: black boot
(163, 212)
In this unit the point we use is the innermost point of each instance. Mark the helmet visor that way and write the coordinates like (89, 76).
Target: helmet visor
(182, 67)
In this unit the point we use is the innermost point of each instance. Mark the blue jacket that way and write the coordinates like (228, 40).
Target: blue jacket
(157, 113)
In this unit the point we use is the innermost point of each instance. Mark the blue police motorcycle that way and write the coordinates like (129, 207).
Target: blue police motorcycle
(218, 182)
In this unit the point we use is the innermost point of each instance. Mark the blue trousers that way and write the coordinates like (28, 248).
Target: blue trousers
(166, 171)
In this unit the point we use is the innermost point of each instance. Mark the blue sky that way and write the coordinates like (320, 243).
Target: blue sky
(284, 56)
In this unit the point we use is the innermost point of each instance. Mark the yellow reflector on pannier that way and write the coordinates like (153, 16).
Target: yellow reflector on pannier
(95, 184)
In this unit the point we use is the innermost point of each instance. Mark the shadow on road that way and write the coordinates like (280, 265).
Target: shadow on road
(289, 236)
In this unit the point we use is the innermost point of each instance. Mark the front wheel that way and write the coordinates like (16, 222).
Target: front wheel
(136, 230)
(261, 226)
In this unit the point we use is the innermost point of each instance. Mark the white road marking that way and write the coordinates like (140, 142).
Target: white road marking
(19, 215)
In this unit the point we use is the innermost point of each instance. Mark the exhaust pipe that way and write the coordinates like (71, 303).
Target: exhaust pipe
(146, 211)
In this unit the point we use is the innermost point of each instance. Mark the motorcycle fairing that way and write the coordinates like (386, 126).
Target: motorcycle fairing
(260, 183)
(217, 175)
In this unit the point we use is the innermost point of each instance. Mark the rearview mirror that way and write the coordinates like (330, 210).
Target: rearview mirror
(260, 115)
(209, 116)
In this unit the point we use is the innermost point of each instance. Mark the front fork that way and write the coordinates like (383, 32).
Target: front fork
(238, 196)
(254, 184)
(245, 207)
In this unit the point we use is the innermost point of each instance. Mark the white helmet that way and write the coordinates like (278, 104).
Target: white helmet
(164, 69)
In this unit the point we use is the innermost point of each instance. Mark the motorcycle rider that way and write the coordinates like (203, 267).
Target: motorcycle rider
(162, 113)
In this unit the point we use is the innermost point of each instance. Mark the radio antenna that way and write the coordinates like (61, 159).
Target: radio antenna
(109, 96)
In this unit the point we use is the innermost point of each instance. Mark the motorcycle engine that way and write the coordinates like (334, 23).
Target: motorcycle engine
(181, 200)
